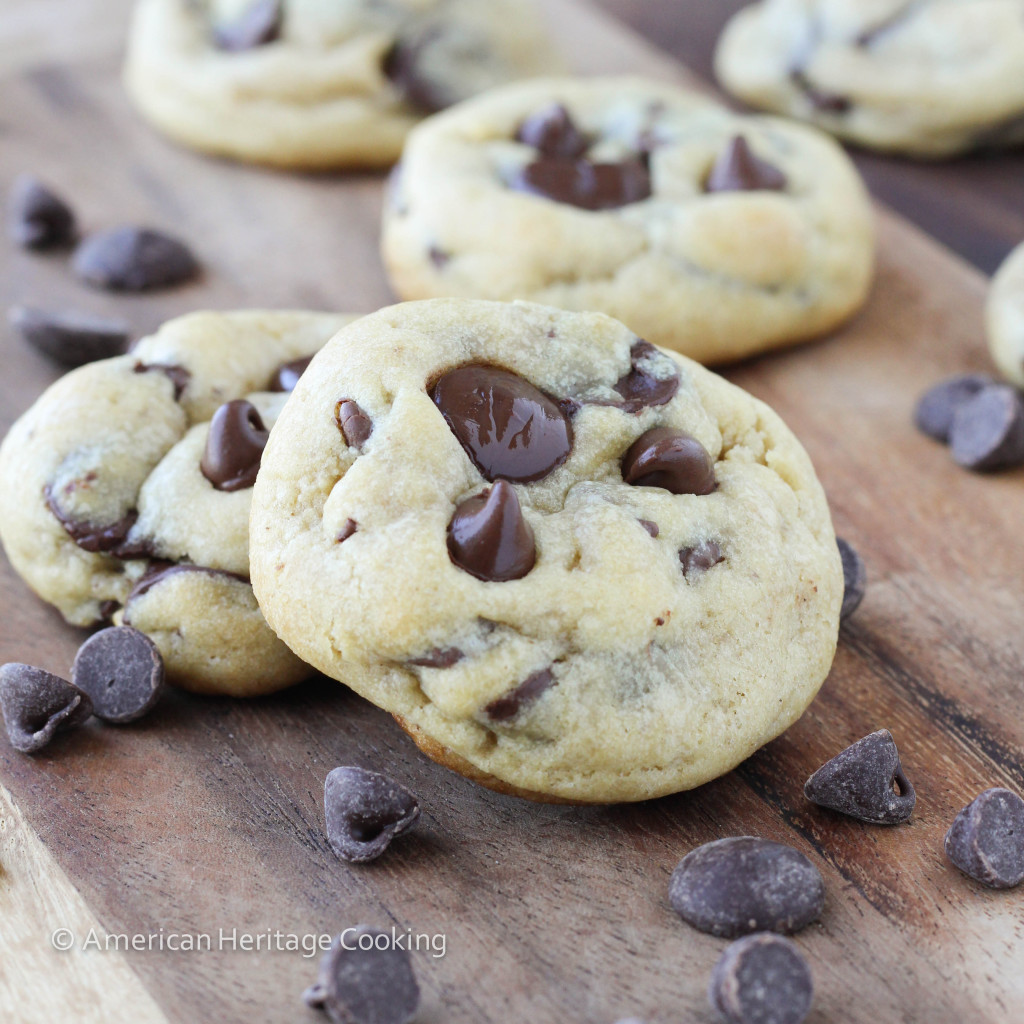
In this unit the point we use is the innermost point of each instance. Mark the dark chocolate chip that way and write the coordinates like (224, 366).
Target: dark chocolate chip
(350, 527)
(653, 379)
(365, 811)
(354, 424)
(37, 218)
(508, 706)
(439, 657)
(71, 339)
(651, 527)
(855, 579)
(737, 169)
(122, 672)
(735, 886)
(552, 132)
(133, 260)
(157, 572)
(988, 430)
(986, 839)
(584, 184)
(439, 257)
(405, 67)
(234, 446)
(366, 978)
(865, 781)
(177, 375)
(489, 538)
(258, 24)
(111, 539)
(826, 102)
(36, 704)
(762, 979)
(287, 375)
(509, 428)
(701, 557)
(936, 408)
(668, 458)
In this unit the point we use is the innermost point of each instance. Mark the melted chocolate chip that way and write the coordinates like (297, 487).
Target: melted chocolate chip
(177, 375)
(350, 527)
(509, 428)
(439, 657)
(986, 839)
(651, 527)
(354, 424)
(134, 260)
(668, 458)
(364, 811)
(37, 218)
(157, 572)
(109, 540)
(698, 559)
(826, 102)
(737, 169)
(287, 375)
(71, 339)
(258, 24)
(234, 446)
(438, 257)
(553, 133)
(504, 708)
(584, 184)
(762, 979)
(36, 704)
(643, 388)
(489, 538)
(122, 672)
(405, 66)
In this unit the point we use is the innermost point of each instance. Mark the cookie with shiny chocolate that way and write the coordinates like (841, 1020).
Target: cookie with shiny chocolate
(125, 491)
(575, 566)
(319, 84)
(1004, 314)
(928, 78)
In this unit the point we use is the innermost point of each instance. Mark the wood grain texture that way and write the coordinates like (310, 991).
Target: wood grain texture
(208, 814)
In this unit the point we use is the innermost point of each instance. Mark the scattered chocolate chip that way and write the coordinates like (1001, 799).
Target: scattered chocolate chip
(122, 672)
(986, 839)
(701, 557)
(158, 571)
(737, 169)
(653, 379)
(234, 446)
(439, 657)
(508, 428)
(258, 24)
(365, 811)
(36, 704)
(936, 408)
(177, 375)
(735, 886)
(762, 979)
(405, 66)
(508, 706)
(350, 527)
(355, 426)
(988, 430)
(365, 978)
(826, 102)
(489, 538)
(651, 527)
(865, 781)
(71, 339)
(553, 132)
(584, 184)
(37, 218)
(287, 375)
(668, 458)
(111, 539)
(133, 260)
(855, 579)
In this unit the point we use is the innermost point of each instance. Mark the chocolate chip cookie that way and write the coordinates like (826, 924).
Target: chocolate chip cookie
(125, 491)
(929, 78)
(573, 565)
(1005, 317)
(321, 83)
(704, 231)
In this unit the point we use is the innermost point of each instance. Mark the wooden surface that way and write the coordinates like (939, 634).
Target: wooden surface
(208, 815)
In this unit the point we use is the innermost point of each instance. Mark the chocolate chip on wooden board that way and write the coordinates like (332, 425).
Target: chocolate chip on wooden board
(122, 672)
(986, 839)
(71, 339)
(37, 218)
(855, 579)
(762, 979)
(36, 704)
(257, 24)
(988, 430)
(744, 884)
(365, 979)
(865, 781)
(364, 811)
(134, 259)
(937, 406)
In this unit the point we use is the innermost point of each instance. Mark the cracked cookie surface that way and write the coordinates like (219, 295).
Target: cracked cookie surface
(125, 491)
(1004, 313)
(573, 565)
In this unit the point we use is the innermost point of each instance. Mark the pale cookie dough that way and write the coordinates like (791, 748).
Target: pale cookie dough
(929, 78)
(704, 231)
(441, 521)
(1005, 317)
(117, 504)
(318, 84)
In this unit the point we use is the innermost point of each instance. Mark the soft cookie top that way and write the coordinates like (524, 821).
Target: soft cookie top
(573, 565)
(1005, 317)
(930, 77)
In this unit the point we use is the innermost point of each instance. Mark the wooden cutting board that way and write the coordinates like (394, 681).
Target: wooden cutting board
(208, 815)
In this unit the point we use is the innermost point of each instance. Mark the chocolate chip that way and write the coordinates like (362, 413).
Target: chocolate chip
(258, 24)
(986, 839)
(439, 657)
(508, 706)
(553, 132)
(668, 458)
(826, 102)
(365, 811)
(366, 978)
(157, 572)
(936, 408)
(988, 430)
(122, 672)
(111, 539)
(508, 428)
(737, 169)
(234, 446)
(584, 184)
(653, 379)
(489, 538)
(865, 781)
(438, 257)
(71, 339)
(701, 557)
(177, 375)
(354, 424)
(405, 67)
(37, 218)
(855, 579)
(287, 375)
(350, 527)
(735, 886)
(134, 260)
(36, 704)
(762, 979)
(651, 527)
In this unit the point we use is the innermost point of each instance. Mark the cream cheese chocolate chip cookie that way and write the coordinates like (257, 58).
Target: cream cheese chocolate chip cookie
(321, 83)
(1005, 317)
(710, 233)
(573, 565)
(929, 78)
(125, 491)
